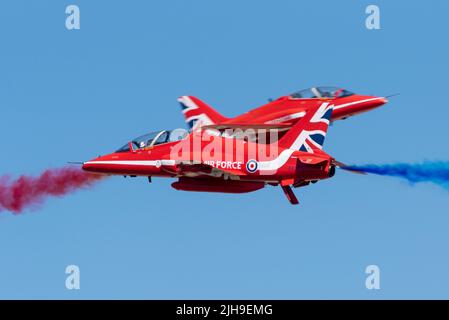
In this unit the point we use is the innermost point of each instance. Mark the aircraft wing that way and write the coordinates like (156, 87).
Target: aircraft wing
(256, 126)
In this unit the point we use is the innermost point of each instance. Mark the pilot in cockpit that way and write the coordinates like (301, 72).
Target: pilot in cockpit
(152, 139)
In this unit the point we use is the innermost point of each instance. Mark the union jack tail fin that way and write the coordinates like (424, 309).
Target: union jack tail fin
(198, 113)
(309, 132)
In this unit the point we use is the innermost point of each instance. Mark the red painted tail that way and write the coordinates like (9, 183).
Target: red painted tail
(309, 132)
(198, 113)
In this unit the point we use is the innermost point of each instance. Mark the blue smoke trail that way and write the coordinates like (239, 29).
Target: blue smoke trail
(436, 172)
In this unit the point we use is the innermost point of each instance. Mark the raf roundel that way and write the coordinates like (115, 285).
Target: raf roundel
(252, 166)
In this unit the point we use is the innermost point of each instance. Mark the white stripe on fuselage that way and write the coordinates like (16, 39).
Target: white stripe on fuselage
(301, 114)
(271, 165)
(344, 105)
(277, 163)
(153, 163)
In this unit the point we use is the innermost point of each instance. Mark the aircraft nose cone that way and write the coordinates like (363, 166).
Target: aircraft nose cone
(90, 165)
(86, 166)
(374, 102)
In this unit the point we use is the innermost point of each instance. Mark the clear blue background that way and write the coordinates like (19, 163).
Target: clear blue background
(71, 95)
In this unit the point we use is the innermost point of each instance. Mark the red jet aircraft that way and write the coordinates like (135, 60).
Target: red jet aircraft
(207, 161)
(282, 112)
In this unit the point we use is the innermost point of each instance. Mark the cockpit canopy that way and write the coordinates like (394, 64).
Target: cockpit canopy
(321, 92)
(155, 138)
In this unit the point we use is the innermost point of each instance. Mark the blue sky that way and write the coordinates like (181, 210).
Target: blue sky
(71, 95)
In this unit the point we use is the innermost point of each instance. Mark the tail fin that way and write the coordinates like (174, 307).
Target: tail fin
(198, 113)
(309, 132)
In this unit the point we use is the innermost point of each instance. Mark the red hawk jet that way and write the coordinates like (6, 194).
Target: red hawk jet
(210, 161)
(282, 112)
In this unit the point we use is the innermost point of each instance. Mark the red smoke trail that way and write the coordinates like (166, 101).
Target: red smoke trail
(24, 192)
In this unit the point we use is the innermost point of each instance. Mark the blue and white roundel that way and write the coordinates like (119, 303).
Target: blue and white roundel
(252, 166)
